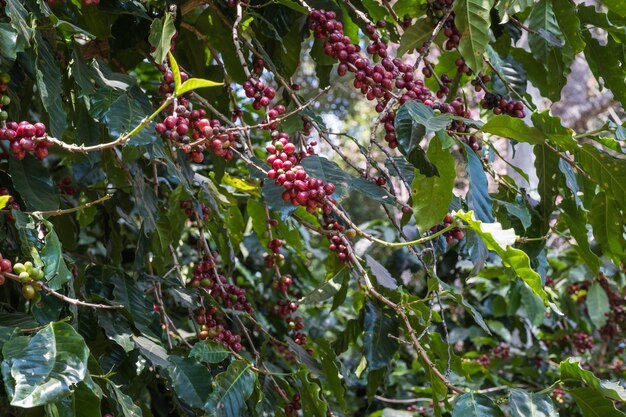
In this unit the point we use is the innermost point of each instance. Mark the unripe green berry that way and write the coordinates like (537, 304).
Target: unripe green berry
(18, 268)
(28, 291)
(28, 265)
(5, 78)
(24, 276)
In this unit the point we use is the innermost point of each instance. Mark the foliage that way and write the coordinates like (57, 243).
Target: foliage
(185, 230)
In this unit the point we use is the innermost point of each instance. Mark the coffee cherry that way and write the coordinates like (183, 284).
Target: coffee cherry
(28, 291)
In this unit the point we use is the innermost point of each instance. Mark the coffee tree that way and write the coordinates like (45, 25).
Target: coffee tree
(187, 231)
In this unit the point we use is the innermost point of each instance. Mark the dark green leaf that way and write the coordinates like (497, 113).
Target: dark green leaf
(573, 370)
(33, 182)
(379, 324)
(475, 405)
(597, 305)
(161, 33)
(478, 197)
(42, 369)
(415, 36)
(431, 195)
(210, 352)
(513, 128)
(125, 405)
(608, 226)
(49, 85)
(190, 380)
(383, 277)
(312, 404)
(593, 404)
(472, 20)
(231, 390)
(56, 272)
(528, 404)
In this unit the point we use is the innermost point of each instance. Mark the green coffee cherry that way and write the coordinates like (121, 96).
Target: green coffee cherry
(24, 276)
(18, 268)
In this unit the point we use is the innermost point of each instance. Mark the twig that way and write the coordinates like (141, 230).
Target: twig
(60, 296)
(64, 211)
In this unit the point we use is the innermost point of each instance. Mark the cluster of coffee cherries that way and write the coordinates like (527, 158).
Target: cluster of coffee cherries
(282, 283)
(300, 188)
(187, 206)
(229, 295)
(421, 410)
(336, 243)
(28, 274)
(66, 186)
(438, 9)
(502, 351)
(11, 204)
(26, 137)
(285, 309)
(212, 328)
(376, 80)
(582, 341)
(499, 105)
(452, 235)
(262, 94)
(292, 407)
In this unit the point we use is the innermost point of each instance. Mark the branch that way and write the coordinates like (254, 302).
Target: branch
(60, 296)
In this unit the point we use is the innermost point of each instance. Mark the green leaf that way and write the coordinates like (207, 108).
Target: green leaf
(162, 31)
(513, 128)
(42, 369)
(565, 14)
(529, 404)
(312, 404)
(34, 183)
(325, 290)
(194, 84)
(431, 195)
(152, 351)
(371, 190)
(478, 197)
(425, 116)
(577, 222)
(547, 49)
(50, 85)
(123, 110)
(125, 405)
(15, 10)
(378, 325)
(472, 20)
(616, 6)
(552, 129)
(593, 404)
(597, 305)
(56, 272)
(175, 71)
(608, 172)
(475, 405)
(510, 73)
(501, 242)
(573, 370)
(190, 380)
(331, 369)
(84, 402)
(383, 277)
(231, 390)
(415, 36)
(608, 226)
(127, 293)
(210, 352)
(604, 62)
(547, 166)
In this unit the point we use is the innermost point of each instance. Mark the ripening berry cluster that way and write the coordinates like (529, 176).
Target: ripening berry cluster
(499, 105)
(376, 80)
(262, 94)
(502, 351)
(451, 235)
(582, 341)
(26, 137)
(212, 328)
(229, 295)
(292, 407)
(300, 189)
(187, 206)
(28, 274)
(66, 186)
